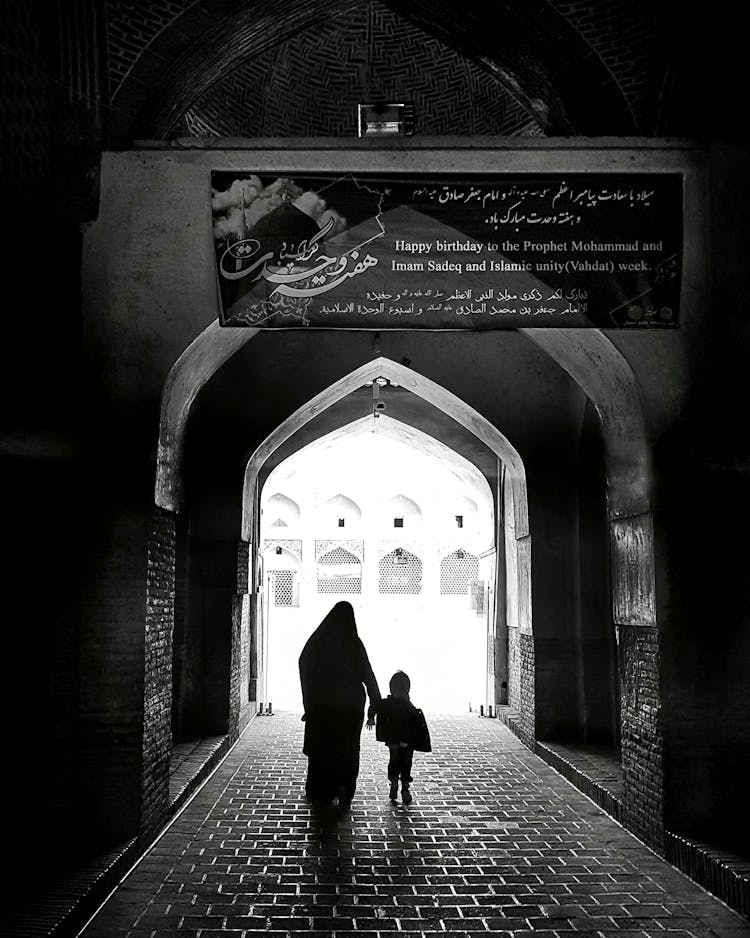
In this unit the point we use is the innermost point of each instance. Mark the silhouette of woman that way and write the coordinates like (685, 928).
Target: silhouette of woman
(333, 668)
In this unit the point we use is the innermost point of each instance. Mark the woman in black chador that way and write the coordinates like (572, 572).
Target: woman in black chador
(334, 670)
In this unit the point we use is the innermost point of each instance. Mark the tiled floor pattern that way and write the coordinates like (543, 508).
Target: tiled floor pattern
(496, 842)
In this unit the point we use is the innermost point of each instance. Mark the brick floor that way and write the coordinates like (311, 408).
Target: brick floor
(496, 842)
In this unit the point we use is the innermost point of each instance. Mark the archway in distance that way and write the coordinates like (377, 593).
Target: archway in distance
(407, 622)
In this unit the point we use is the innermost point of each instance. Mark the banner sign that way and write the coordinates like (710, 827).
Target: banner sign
(377, 251)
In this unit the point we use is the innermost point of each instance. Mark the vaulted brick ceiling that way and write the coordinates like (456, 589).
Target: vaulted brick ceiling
(298, 68)
(310, 84)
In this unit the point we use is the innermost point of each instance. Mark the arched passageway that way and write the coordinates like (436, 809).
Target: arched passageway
(143, 608)
(583, 398)
(526, 661)
(515, 538)
(592, 360)
(397, 562)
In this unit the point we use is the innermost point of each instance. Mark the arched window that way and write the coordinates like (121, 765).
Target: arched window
(284, 510)
(340, 512)
(339, 572)
(400, 572)
(462, 513)
(283, 569)
(285, 587)
(401, 512)
(457, 570)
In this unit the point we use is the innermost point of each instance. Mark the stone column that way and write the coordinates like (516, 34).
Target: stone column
(634, 610)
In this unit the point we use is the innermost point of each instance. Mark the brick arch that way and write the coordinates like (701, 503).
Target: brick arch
(519, 543)
(532, 51)
(586, 354)
(606, 378)
(423, 387)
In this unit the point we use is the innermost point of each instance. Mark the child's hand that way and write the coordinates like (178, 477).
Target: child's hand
(370, 723)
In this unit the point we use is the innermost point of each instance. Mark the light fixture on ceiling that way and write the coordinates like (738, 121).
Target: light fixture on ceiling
(385, 120)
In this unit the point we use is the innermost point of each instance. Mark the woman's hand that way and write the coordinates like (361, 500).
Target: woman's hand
(370, 723)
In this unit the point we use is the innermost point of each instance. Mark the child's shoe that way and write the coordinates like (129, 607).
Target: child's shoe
(394, 790)
(406, 794)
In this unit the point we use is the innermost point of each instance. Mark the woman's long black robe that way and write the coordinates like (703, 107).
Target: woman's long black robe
(334, 672)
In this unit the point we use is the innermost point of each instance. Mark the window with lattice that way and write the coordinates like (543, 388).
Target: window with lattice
(339, 572)
(285, 588)
(400, 572)
(457, 570)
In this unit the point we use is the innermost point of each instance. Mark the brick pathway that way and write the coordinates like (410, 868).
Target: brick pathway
(495, 842)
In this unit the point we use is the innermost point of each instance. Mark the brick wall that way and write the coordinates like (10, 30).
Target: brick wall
(640, 709)
(514, 668)
(254, 637)
(243, 601)
(179, 638)
(235, 670)
(157, 686)
(238, 660)
(527, 682)
(243, 567)
(246, 702)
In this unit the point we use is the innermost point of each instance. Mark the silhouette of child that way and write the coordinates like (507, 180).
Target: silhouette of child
(403, 728)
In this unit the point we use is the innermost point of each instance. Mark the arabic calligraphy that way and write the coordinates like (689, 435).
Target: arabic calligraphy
(459, 303)
(561, 204)
(290, 279)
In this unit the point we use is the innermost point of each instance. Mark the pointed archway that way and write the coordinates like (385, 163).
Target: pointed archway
(607, 379)
(391, 577)
(517, 540)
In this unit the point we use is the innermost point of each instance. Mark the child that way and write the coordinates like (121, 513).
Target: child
(403, 728)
